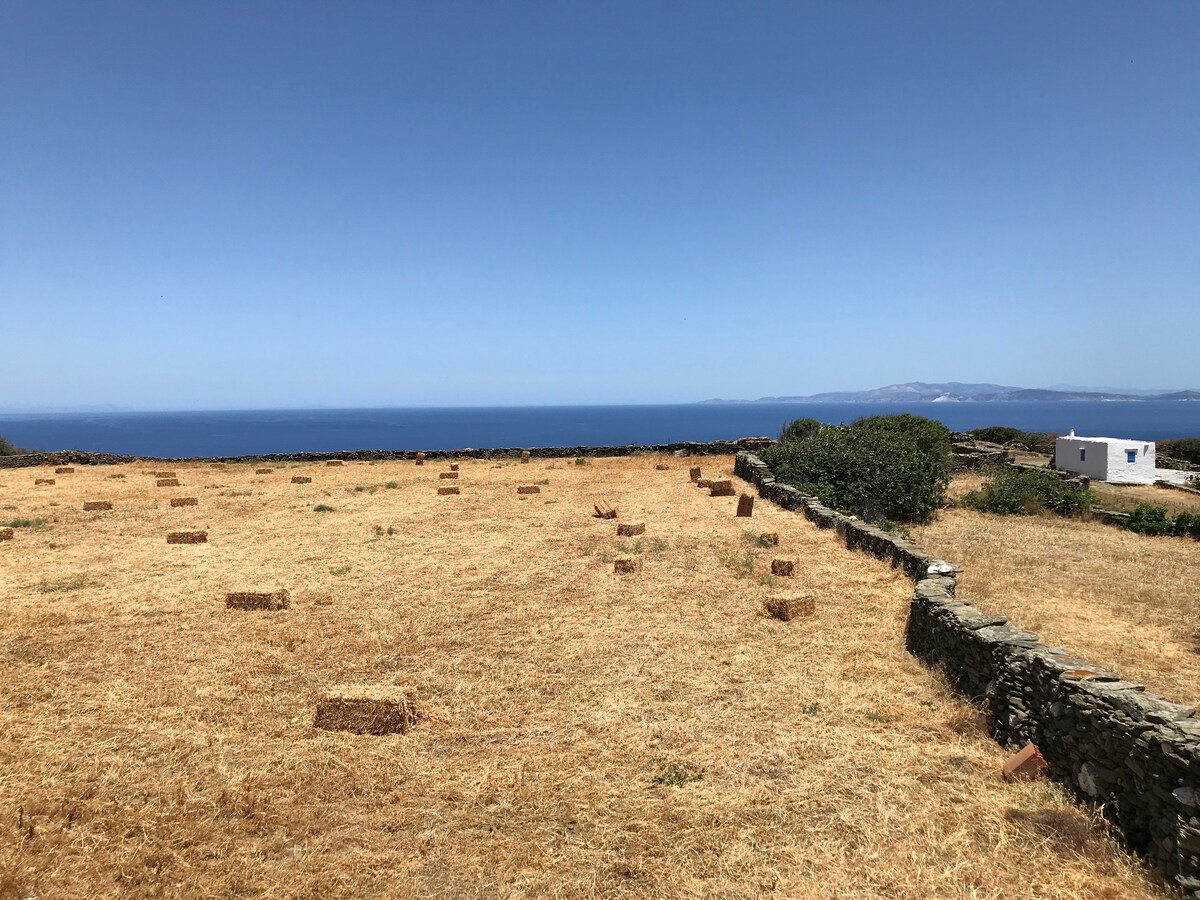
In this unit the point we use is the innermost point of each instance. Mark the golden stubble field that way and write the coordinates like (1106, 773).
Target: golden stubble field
(582, 733)
(1123, 600)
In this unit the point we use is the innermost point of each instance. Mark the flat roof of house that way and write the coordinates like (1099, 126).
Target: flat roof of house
(1102, 440)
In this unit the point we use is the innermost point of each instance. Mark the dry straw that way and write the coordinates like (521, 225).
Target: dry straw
(624, 566)
(605, 510)
(333, 462)
(524, 456)
(43, 481)
(784, 568)
(366, 709)
(267, 600)
(694, 473)
(448, 491)
(94, 505)
(745, 506)
(184, 501)
(64, 470)
(164, 475)
(453, 467)
(448, 475)
(6, 534)
(787, 608)
(263, 471)
(167, 482)
(770, 538)
(187, 537)
(421, 458)
(628, 530)
(301, 479)
(529, 489)
(721, 489)
(661, 467)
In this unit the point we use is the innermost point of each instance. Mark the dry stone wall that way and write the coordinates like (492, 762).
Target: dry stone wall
(1109, 741)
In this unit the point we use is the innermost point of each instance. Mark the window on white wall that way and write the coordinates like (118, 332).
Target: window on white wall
(1130, 456)
(1083, 454)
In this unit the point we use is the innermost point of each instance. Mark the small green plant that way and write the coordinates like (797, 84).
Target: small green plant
(339, 570)
(378, 531)
(673, 774)
(392, 485)
(117, 475)
(1194, 482)
(880, 718)
(358, 489)
(754, 540)
(658, 548)
(582, 461)
(59, 587)
(391, 531)
(322, 507)
(24, 523)
(811, 709)
(542, 481)
(635, 548)
(741, 566)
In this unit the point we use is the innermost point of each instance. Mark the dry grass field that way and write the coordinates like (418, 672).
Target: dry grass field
(1123, 600)
(580, 733)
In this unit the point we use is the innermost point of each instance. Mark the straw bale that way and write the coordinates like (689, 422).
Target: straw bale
(187, 537)
(270, 600)
(783, 567)
(694, 473)
(167, 482)
(37, 481)
(721, 489)
(605, 510)
(745, 506)
(333, 462)
(630, 530)
(421, 459)
(448, 475)
(6, 534)
(301, 479)
(91, 505)
(64, 470)
(184, 501)
(263, 471)
(624, 566)
(448, 491)
(787, 608)
(366, 709)
(770, 537)
(529, 489)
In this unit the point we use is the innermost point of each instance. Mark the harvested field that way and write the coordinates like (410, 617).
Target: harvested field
(1123, 600)
(579, 733)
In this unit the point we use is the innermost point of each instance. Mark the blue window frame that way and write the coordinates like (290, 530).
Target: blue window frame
(1130, 456)
(1083, 454)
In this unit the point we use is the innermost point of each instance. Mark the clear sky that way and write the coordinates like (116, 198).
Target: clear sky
(250, 204)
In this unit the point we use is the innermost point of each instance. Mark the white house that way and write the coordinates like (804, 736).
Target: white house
(1106, 459)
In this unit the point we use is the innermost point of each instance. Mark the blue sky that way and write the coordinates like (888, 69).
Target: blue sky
(241, 205)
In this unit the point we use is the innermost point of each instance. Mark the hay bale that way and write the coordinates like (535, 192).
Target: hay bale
(333, 462)
(301, 479)
(745, 506)
(448, 491)
(421, 459)
(524, 456)
(529, 489)
(187, 537)
(263, 471)
(167, 482)
(787, 608)
(453, 467)
(704, 483)
(631, 530)
(661, 467)
(38, 481)
(770, 538)
(64, 470)
(6, 534)
(624, 566)
(721, 489)
(165, 475)
(216, 465)
(184, 501)
(92, 505)
(785, 568)
(694, 473)
(605, 510)
(366, 709)
(270, 600)
(448, 475)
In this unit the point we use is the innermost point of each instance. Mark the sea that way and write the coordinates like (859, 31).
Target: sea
(246, 432)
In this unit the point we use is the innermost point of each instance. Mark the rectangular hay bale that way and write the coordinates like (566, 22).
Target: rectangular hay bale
(784, 568)
(333, 462)
(366, 709)
(184, 501)
(263, 471)
(270, 600)
(6, 534)
(447, 475)
(187, 537)
(93, 505)
(164, 475)
(453, 467)
(661, 467)
(64, 470)
(448, 491)
(631, 530)
(529, 489)
(787, 608)
(167, 482)
(301, 479)
(624, 566)
(745, 506)
(770, 537)
(721, 489)
(694, 473)
(38, 481)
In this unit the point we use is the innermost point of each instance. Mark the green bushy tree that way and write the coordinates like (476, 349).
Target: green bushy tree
(1024, 492)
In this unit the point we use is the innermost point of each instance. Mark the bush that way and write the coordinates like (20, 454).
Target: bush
(7, 449)
(893, 467)
(1187, 449)
(1147, 519)
(996, 434)
(1025, 492)
(1187, 524)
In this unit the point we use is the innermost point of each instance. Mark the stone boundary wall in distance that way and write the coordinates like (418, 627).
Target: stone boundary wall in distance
(678, 448)
(1109, 741)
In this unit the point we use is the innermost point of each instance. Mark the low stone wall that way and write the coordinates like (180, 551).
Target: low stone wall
(1177, 487)
(678, 448)
(1109, 741)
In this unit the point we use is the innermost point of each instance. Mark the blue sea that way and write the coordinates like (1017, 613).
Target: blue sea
(182, 434)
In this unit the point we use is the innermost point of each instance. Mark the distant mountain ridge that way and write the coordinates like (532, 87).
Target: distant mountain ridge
(957, 391)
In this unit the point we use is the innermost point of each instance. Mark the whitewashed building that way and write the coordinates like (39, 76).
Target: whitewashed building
(1118, 460)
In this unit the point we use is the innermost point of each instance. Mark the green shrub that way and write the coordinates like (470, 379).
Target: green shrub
(1194, 481)
(7, 449)
(799, 429)
(996, 434)
(1024, 492)
(1187, 449)
(893, 467)
(1187, 524)
(322, 507)
(1148, 519)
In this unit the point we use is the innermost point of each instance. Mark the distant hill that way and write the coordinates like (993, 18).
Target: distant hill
(956, 391)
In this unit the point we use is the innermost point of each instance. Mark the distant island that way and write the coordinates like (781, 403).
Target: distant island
(955, 391)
